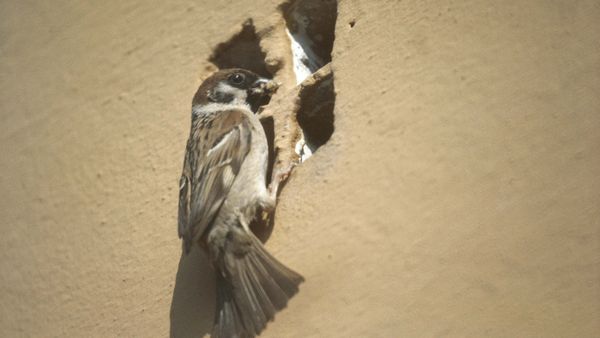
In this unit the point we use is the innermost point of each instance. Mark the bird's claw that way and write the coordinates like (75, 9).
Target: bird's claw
(281, 175)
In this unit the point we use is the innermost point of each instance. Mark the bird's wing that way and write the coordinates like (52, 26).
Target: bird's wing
(215, 152)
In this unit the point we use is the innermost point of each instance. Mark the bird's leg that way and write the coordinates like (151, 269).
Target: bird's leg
(269, 202)
(280, 176)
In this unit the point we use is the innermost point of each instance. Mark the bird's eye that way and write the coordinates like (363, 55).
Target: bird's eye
(237, 78)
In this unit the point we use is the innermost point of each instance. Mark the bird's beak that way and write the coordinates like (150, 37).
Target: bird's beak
(264, 87)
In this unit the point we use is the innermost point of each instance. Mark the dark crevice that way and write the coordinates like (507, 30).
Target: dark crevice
(311, 26)
(242, 51)
(315, 113)
(269, 127)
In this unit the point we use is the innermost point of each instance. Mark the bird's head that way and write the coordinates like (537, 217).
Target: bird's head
(235, 87)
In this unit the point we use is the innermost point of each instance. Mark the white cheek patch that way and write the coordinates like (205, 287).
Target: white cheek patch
(239, 95)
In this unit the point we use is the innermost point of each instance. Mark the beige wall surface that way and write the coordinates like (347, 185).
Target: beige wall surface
(459, 195)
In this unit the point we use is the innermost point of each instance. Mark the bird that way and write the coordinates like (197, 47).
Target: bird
(223, 187)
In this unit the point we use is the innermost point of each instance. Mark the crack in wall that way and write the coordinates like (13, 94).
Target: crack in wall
(310, 26)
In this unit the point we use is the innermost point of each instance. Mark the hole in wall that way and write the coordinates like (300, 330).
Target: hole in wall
(242, 51)
(310, 26)
(315, 113)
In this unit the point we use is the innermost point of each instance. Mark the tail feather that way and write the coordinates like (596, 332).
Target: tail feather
(251, 289)
(229, 324)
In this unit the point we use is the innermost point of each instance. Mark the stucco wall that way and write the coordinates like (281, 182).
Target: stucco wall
(458, 195)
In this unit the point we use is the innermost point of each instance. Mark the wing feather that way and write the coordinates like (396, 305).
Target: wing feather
(213, 160)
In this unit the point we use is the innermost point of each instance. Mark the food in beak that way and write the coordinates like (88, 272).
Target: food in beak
(264, 87)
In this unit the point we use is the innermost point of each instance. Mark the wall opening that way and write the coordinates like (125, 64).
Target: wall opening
(315, 112)
(242, 51)
(310, 26)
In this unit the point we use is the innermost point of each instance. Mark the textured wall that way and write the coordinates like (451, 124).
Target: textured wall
(458, 195)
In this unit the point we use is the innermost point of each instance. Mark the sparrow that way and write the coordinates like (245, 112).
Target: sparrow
(222, 188)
